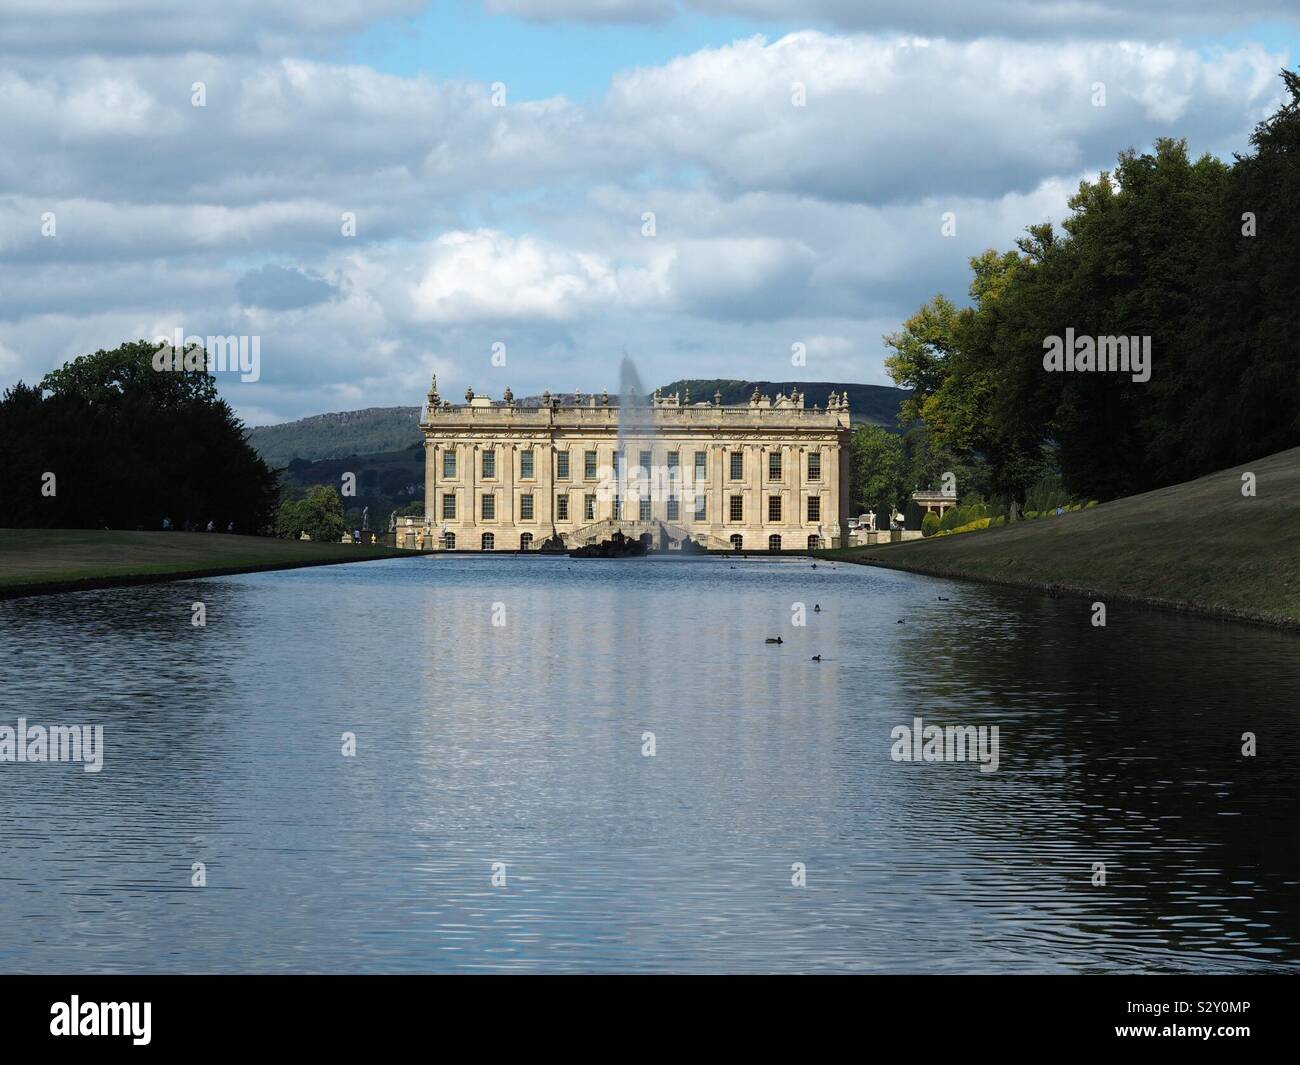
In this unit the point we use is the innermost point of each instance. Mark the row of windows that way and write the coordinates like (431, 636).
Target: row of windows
(488, 542)
(527, 464)
(735, 512)
(488, 507)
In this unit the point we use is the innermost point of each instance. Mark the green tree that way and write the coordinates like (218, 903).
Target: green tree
(925, 464)
(1243, 394)
(956, 362)
(319, 515)
(290, 519)
(130, 445)
(128, 373)
(1132, 265)
(877, 468)
(1191, 259)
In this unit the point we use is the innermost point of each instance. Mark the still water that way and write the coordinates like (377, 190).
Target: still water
(522, 743)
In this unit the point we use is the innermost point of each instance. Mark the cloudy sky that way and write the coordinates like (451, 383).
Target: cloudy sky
(501, 159)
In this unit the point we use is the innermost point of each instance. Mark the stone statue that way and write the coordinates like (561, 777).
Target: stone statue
(365, 519)
(392, 521)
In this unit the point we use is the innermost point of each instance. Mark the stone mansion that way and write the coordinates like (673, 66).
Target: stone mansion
(499, 475)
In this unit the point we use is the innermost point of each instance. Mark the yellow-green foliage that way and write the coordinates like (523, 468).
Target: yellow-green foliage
(970, 526)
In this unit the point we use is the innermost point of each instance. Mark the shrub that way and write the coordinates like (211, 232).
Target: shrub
(1045, 495)
(320, 516)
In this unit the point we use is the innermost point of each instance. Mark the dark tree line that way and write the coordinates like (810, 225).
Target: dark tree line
(128, 446)
(1199, 255)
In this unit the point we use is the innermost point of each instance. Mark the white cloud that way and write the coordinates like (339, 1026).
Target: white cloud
(1159, 19)
(142, 27)
(775, 223)
(894, 118)
(485, 276)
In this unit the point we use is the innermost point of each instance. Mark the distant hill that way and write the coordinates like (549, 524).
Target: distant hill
(386, 481)
(336, 436)
(383, 429)
(873, 404)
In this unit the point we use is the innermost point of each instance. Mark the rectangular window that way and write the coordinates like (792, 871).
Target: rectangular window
(589, 465)
(526, 465)
(737, 465)
(773, 508)
(701, 510)
(449, 506)
(737, 508)
(701, 465)
(526, 507)
(561, 508)
(616, 512)
(449, 464)
(644, 463)
(489, 507)
(814, 465)
(814, 508)
(674, 462)
(774, 465)
(562, 466)
(589, 508)
(489, 463)
(645, 509)
(674, 509)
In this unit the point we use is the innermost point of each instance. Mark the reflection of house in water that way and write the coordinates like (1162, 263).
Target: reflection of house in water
(500, 475)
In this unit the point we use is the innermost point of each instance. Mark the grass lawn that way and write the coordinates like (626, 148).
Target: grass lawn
(1198, 546)
(36, 560)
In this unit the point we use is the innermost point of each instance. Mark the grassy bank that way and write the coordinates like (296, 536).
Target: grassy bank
(41, 561)
(1199, 546)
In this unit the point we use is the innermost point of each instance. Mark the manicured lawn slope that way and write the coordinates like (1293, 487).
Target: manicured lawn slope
(30, 558)
(1198, 546)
